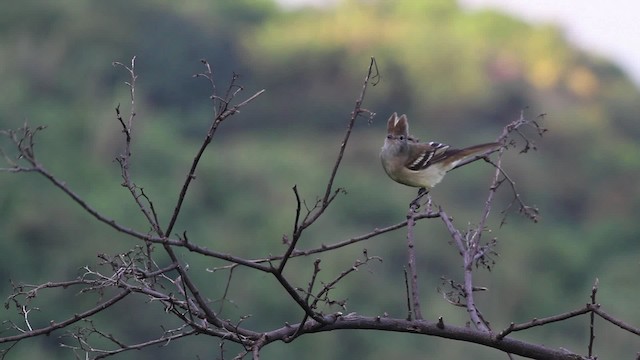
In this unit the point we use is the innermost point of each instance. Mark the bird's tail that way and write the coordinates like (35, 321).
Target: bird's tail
(472, 153)
(480, 149)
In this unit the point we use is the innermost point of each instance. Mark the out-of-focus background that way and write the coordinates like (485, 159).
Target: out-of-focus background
(459, 71)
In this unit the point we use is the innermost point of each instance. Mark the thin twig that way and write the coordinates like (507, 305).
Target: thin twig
(544, 321)
(123, 160)
(296, 233)
(592, 335)
(196, 160)
(59, 325)
(372, 72)
(217, 120)
(408, 292)
(330, 247)
(329, 196)
(621, 324)
(413, 272)
(468, 260)
(331, 193)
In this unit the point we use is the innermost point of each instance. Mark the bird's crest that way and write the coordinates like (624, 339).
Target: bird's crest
(398, 125)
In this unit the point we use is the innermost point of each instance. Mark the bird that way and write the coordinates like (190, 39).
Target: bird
(410, 162)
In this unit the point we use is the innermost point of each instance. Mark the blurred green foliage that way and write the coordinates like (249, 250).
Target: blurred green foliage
(459, 75)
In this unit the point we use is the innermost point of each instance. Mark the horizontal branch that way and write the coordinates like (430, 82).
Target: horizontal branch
(588, 308)
(540, 322)
(353, 240)
(161, 340)
(439, 329)
(324, 248)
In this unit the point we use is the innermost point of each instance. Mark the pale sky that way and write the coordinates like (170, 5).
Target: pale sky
(609, 28)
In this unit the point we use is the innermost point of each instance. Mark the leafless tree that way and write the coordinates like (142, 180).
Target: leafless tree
(137, 273)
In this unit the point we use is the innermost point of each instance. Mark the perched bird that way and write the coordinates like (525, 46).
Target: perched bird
(417, 164)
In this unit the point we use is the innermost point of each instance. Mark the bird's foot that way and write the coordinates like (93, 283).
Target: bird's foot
(415, 204)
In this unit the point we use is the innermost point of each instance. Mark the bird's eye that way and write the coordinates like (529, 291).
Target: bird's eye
(389, 136)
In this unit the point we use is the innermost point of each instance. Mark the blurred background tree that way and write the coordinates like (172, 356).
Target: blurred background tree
(459, 75)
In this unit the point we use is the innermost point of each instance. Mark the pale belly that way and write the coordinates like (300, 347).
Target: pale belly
(427, 178)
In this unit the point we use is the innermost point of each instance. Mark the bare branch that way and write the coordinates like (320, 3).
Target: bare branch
(515, 126)
(322, 295)
(217, 120)
(466, 249)
(439, 329)
(331, 193)
(296, 233)
(173, 287)
(77, 317)
(295, 296)
(621, 324)
(330, 247)
(143, 202)
(592, 335)
(372, 72)
(530, 212)
(82, 337)
(540, 322)
(413, 272)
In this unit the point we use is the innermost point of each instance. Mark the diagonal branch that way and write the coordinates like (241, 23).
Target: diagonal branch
(330, 193)
(468, 259)
(372, 72)
(77, 317)
(218, 119)
(143, 202)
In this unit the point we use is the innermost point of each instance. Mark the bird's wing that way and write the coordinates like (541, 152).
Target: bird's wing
(423, 155)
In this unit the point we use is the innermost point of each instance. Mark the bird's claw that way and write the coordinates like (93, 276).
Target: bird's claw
(415, 204)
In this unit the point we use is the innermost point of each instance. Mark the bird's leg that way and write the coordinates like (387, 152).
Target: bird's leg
(415, 204)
